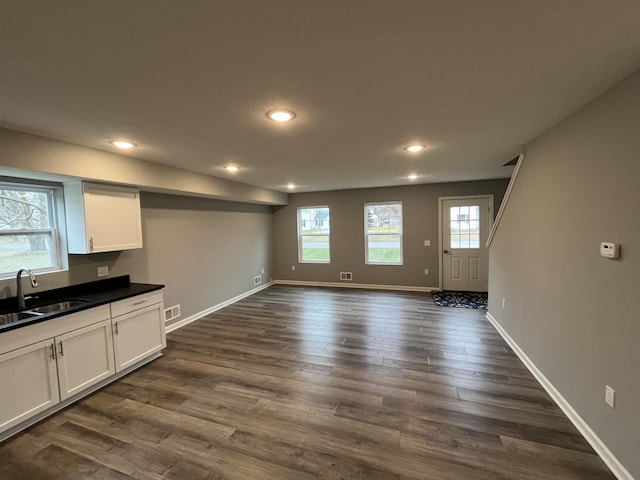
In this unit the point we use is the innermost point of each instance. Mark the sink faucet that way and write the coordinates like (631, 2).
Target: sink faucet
(19, 292)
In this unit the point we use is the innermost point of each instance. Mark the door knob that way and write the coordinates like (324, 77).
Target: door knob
(447, 252)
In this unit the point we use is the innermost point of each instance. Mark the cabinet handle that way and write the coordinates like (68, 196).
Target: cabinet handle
(61, 351)
(52, 352)
(115, 328)
(91, 244)
(140, 302)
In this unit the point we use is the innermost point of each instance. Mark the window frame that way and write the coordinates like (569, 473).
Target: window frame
(366, 233)
(301, 235)
(56, 230)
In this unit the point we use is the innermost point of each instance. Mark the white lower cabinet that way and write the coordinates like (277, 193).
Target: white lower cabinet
(44, 364)
(85, 357)
(138, 327)
(29, 379)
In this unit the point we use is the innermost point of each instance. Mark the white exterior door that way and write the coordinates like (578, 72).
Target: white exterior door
(466, 222)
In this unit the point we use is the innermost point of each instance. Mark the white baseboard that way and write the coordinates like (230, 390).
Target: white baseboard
(596, 443)
(369, 286)
(199, 315)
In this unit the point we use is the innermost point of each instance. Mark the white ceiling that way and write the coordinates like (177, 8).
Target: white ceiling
(190, 81)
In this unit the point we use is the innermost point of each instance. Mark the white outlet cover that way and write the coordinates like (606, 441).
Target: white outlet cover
(103, 271)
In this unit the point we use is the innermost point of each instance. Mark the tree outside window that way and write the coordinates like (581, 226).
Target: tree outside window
(28, 235)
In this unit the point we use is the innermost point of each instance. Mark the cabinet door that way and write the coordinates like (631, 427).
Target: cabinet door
(85, 357)
(138, 334)
(29, 380)
(112, 217)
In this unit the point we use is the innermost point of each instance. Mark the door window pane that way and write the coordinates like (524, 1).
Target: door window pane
(464, 226)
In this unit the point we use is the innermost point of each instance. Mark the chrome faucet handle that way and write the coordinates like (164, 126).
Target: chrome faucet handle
(32, 277)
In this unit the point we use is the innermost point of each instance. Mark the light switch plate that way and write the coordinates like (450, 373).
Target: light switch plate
(610, 396)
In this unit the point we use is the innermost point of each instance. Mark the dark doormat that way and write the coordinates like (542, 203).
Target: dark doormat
(449, 298)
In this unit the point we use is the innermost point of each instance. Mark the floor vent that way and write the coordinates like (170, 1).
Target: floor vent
(171, 313)
(346, 276)
(257, 280)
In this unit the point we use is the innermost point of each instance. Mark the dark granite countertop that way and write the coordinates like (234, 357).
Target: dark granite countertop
(93, 294)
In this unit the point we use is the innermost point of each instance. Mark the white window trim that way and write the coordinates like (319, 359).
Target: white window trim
(366, 234)
(299, 233)
(58, 232)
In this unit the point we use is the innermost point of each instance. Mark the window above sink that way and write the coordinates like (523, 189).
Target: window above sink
(31, 235)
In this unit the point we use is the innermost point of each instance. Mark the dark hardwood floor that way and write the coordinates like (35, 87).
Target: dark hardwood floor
(303, 383)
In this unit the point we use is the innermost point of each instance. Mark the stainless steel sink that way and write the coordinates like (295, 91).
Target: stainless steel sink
(66, 304)
(56, 307)
(15, 317)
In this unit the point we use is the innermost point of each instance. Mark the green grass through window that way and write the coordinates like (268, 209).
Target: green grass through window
(315, 254)
(384, 255)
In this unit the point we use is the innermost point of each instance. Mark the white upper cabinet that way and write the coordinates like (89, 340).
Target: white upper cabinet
(102, 218)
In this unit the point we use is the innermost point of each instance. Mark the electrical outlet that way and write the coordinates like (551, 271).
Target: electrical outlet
(610, 396)
(262, 271)
(427, 243)
(103, 271)
(426, 271)
(504, 303)
(293, 267)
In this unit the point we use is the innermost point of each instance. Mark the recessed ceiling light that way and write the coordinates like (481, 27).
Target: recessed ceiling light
(231, 168)
(414, 148)
(123, 144)
(291, 186)
(281, 115)
(413, 176)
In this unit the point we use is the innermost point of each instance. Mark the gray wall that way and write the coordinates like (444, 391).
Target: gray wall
(204, 251)
(420, 212)
(38, 157)
(574, 313)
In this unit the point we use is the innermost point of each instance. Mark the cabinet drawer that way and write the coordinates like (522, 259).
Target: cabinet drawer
(132, 304)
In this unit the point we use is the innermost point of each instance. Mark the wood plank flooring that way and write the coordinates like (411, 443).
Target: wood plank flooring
(303, 383)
